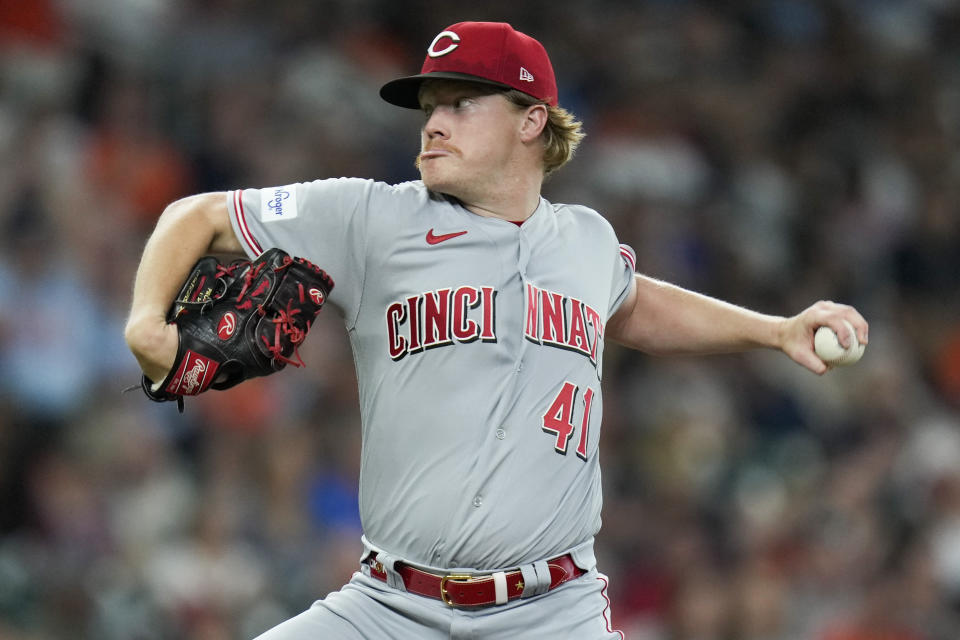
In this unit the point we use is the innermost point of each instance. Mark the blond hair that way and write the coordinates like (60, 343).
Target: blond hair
(561, 135)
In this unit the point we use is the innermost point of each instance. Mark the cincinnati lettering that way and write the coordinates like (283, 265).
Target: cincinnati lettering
(556, 320)
(439, 318)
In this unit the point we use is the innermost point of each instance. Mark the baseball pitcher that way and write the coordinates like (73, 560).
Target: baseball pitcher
(478, 313)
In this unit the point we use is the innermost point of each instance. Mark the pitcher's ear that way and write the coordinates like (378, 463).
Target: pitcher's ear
(535, 119)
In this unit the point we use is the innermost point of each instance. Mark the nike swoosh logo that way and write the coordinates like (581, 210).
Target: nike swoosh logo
(434, 239)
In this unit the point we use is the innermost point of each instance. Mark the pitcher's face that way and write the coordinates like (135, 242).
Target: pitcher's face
(468, 138)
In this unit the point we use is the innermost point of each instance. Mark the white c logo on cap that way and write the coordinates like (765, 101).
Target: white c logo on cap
(453, 45)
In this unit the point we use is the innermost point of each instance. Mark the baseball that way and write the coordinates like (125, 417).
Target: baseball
(828, 347)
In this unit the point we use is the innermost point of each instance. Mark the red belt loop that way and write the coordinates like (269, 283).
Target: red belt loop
(471, 590)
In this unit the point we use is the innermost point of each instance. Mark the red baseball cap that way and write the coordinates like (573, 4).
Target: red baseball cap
(489, 52)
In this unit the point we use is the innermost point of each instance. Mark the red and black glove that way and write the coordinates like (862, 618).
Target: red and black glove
(240, 320)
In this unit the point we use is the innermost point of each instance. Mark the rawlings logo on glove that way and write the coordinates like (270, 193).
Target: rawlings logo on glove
(238, 321)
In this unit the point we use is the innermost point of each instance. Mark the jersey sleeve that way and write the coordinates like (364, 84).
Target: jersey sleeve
(624, 269)
(325, 221)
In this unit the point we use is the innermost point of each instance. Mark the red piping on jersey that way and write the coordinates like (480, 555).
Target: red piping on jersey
(242, 223)
(628, 257)
(607, 610)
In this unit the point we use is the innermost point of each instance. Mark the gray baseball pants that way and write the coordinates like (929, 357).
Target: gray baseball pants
(368, 609)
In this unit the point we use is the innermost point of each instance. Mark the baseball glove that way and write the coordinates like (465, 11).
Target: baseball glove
(240, 320)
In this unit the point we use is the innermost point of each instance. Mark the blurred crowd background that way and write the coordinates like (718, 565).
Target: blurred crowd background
(771, 153)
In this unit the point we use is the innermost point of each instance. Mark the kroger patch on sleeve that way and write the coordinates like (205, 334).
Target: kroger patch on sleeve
(278, 203)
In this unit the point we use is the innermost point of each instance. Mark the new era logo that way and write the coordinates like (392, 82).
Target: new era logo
(525, 75)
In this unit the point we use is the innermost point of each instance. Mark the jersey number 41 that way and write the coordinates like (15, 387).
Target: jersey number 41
(558, 419)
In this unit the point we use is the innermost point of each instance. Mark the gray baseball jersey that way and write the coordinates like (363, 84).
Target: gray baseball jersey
(478, 347)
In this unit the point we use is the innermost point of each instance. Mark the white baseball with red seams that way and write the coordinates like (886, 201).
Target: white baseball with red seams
(827, 345)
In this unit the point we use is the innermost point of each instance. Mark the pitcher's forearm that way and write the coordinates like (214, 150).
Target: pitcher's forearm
(668, 320)
(663, 319)
(187, 230)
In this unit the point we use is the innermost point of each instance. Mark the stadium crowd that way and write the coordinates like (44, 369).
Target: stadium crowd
(768, 153)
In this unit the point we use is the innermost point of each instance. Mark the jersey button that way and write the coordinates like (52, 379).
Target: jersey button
(478, 501)
(501, 434)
